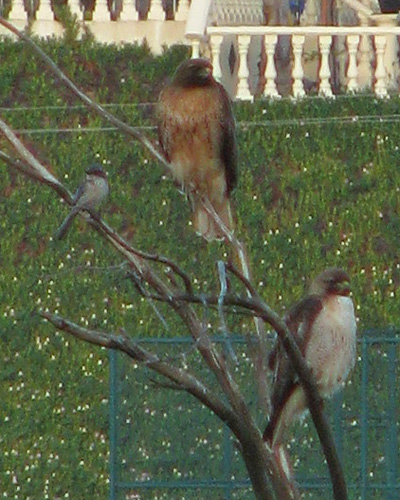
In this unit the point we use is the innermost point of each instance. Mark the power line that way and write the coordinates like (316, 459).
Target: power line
(79, 130)
(153, 103)
(298, 122)
(301, 122)
(74, 107)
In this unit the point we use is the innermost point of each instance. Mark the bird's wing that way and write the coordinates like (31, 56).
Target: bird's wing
(287, 397)
(206, 112)
(299, 321)
(163, 119)
(228, 140)
(301, 317)
(78, 193)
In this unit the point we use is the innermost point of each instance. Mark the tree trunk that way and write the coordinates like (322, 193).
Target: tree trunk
(265, 476)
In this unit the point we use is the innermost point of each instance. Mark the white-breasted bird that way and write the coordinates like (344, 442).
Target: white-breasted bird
(323, 324)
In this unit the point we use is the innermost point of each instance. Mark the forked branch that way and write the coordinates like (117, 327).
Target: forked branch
(181, 303)
(179, 376)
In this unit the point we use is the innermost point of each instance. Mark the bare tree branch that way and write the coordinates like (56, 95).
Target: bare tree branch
(260, 362)
(314, 400)
(179, 376)
(210, 355)
(259, 355)
(124, 127)
(249, 436)
(41, 175)
(244, 427)
(171, 264)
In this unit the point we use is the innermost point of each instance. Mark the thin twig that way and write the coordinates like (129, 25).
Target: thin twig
(249, 286)
(223, 292)
(170, 263)
(123, 343)
(259, 354)
(209, 354)
(306, 378)
(42, 175)
(138, 282)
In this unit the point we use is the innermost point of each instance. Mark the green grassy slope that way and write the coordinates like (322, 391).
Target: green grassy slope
(323, 192)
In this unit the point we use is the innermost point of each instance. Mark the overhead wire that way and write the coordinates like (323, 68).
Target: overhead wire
(299, 122)
(242, 124)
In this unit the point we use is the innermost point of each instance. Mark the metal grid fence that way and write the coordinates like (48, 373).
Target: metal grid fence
(165, 445)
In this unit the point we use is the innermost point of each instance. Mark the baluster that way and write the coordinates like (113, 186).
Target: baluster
(298, 70)
(270, 89)
(101, 12)
(18, 12)
(44, 12)
(195, 44)
(352, 70)
(76, 8)
(156, 12)
(243, 91)
(311, 13)
(325, 88)
(183, 11)
(44, 24)
(129, 12)
(390, 58)
(365, 56)
(380, 72)
(215, 42)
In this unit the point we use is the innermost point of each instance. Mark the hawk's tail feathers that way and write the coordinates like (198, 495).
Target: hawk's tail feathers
(206, 226)
(290, 408)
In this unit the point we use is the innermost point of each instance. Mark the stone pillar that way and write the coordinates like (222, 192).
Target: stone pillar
(390, 56)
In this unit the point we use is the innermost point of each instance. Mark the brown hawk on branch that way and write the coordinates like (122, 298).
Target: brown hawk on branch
(324, 325)
(196, 131)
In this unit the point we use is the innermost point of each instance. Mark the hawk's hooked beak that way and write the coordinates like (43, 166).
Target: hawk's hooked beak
(344, 288)
(206, 72)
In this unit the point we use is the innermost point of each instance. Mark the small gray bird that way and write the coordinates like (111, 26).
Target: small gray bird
(89, 195)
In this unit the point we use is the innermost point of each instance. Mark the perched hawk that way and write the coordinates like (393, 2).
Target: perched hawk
(324, 326)
(196, 130)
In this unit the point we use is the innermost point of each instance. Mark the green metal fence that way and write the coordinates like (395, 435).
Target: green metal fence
(165, 445)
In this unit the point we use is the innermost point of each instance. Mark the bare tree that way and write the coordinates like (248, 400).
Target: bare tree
(174, 288)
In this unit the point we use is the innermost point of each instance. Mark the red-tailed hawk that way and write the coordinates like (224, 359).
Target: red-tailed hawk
(324, 326)
(196, 130)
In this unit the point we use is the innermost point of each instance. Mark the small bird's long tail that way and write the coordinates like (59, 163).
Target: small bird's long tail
(63, 229)
(206, 226)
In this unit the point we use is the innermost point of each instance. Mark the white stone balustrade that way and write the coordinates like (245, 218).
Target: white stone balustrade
(270, 70)
(352, 71)
(125, 29)
(246, 58)
(377, 71)
(298, 71)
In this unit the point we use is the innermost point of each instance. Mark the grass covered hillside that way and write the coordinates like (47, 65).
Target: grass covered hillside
(318, 186)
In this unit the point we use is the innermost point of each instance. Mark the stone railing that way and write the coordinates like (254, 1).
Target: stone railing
(283, 60)
(250, 60)
(118, 21)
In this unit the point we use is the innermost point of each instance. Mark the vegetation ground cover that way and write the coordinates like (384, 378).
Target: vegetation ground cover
(318, 186)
